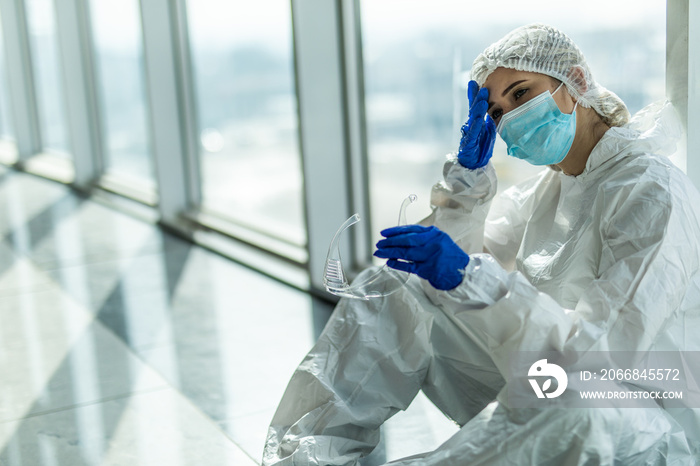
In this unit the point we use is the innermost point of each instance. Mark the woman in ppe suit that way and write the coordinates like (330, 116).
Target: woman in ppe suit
(599, 252)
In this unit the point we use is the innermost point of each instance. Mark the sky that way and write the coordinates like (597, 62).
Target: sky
(464, 13)
(392, 20)
(268, 22)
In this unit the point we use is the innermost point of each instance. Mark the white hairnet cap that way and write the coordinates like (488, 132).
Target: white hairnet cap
(543, 49)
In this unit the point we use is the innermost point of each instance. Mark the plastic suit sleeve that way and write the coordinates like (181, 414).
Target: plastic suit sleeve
(334, 404)
(465, 208)
(461, 203)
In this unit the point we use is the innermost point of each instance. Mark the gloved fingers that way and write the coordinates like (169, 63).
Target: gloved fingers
(408, 240)
(476, 118)
(409, 267)
(470, 137)
(487, 139)
(488, 134)
(481, 96)
(468, 154)
(474, 125)
(465, 128)
(414, 254)
(401, 229)
(472, 90)
(478, 110)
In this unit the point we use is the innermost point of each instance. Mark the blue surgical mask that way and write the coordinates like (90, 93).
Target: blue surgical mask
(538, 131)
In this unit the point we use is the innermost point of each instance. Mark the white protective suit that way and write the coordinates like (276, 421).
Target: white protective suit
(607, 260)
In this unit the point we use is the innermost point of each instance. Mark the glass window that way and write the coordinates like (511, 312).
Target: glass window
(48, 82)
(246, 106)
(119, 61)
(417, 57)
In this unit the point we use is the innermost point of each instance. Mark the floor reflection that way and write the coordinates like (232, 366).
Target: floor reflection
(122, 344)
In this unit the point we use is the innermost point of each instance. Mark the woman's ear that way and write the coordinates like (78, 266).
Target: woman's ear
(577, 77)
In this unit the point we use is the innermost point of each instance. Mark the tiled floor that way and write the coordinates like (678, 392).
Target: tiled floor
(123, 345)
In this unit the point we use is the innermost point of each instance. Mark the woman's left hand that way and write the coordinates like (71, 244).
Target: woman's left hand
(426, 251)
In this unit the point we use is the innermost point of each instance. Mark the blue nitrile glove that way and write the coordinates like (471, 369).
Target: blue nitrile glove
(426, 251)
(478, 134)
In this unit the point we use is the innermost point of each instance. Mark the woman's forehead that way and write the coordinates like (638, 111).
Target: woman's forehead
(501, 78)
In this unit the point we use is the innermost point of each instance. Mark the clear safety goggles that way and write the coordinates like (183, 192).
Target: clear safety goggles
(383, 282)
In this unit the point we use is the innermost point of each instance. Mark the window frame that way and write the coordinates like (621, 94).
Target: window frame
(331, 115)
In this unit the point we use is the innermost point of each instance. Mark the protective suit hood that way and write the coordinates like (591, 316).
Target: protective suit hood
(656, 129)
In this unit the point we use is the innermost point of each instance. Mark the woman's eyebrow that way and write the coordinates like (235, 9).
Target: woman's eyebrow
(507, 90)
(512, 86)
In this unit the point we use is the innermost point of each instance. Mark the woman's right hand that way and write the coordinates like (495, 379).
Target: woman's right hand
(479, 132)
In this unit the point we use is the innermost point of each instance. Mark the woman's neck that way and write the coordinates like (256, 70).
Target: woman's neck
(590, 130)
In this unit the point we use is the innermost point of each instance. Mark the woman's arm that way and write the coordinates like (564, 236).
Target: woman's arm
(461, 203)
(466, 207)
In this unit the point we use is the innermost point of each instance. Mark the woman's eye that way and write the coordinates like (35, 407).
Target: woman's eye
(519, 93)
(496, 114)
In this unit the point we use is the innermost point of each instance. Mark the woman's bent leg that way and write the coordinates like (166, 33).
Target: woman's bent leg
(369, 362)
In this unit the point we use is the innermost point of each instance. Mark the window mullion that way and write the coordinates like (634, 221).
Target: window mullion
(189, 123)
(79, 84)
(20, 79)
(319, 81)
(682, 48)
(693, 89)
(166, 107)
(356, 127)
